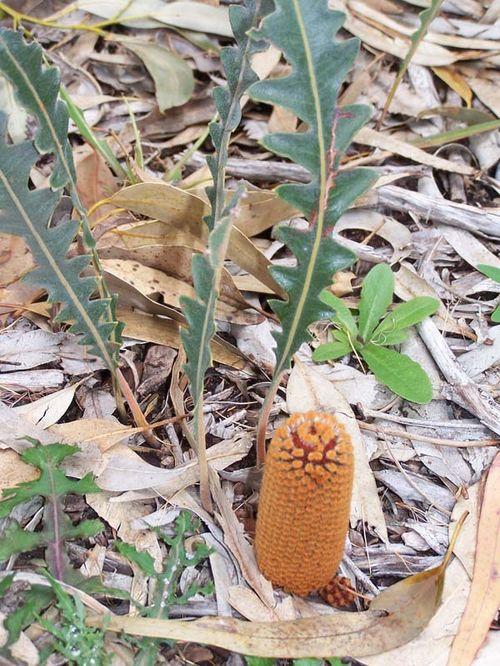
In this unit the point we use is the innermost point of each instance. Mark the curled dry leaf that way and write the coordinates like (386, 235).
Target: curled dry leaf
(166, 332)
(484, 596)
(185, 211)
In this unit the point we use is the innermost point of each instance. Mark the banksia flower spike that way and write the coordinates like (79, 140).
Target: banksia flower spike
(304, 502)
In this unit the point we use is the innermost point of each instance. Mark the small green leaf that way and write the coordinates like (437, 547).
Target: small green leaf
(142, 558)
(331, 351)
(495, 316)
(342, 315)
(399, 373)
(341, 336)
(490, 271)
(260, 661)
(408, 314)
(376, 296)
(389, 338)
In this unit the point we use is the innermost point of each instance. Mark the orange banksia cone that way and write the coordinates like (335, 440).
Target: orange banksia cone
(304, 502)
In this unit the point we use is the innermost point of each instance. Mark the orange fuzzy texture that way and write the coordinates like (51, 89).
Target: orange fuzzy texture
(304, 502)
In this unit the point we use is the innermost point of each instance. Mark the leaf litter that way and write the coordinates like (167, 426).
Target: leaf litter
(410, 491)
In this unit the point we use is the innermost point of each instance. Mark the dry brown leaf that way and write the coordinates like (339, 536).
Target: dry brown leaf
(484, 597)
(14, 470)
(185, 211)
(398, 614)
(452, 77)
(371, 137)
(137, 285)
(125, 470)
(388, 41)
(432, 646)
(308, 390)
(95, 180)
(141, 326)
(170, 204)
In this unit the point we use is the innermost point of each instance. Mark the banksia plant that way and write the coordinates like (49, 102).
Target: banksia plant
(304, 502)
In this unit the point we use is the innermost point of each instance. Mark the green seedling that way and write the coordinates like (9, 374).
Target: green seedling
(79, 644)
(166, 582)
(375, 329)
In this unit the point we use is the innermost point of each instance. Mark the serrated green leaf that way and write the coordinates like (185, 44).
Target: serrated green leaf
(207, 269)
(142, 558)
(331, 351)
(407, 314)
(305, 32)
(302, 283)
(37, 88)
(27, 213)
(398, 372)
(376, 296)
(239, 74)
(52, 485)
(47, 459)
(342, 314)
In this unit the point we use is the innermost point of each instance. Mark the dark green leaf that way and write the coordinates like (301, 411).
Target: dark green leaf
(331, 351)
(408, 314)
(376, 296)
(239, 75)
(27, 213)
(305, 31)
(399, 373)
(259, 661)
(52, 485)
(37, 88)
(47, 458)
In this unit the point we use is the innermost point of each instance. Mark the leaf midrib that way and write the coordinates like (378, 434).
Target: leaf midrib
(55, 268)
(321, 205)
